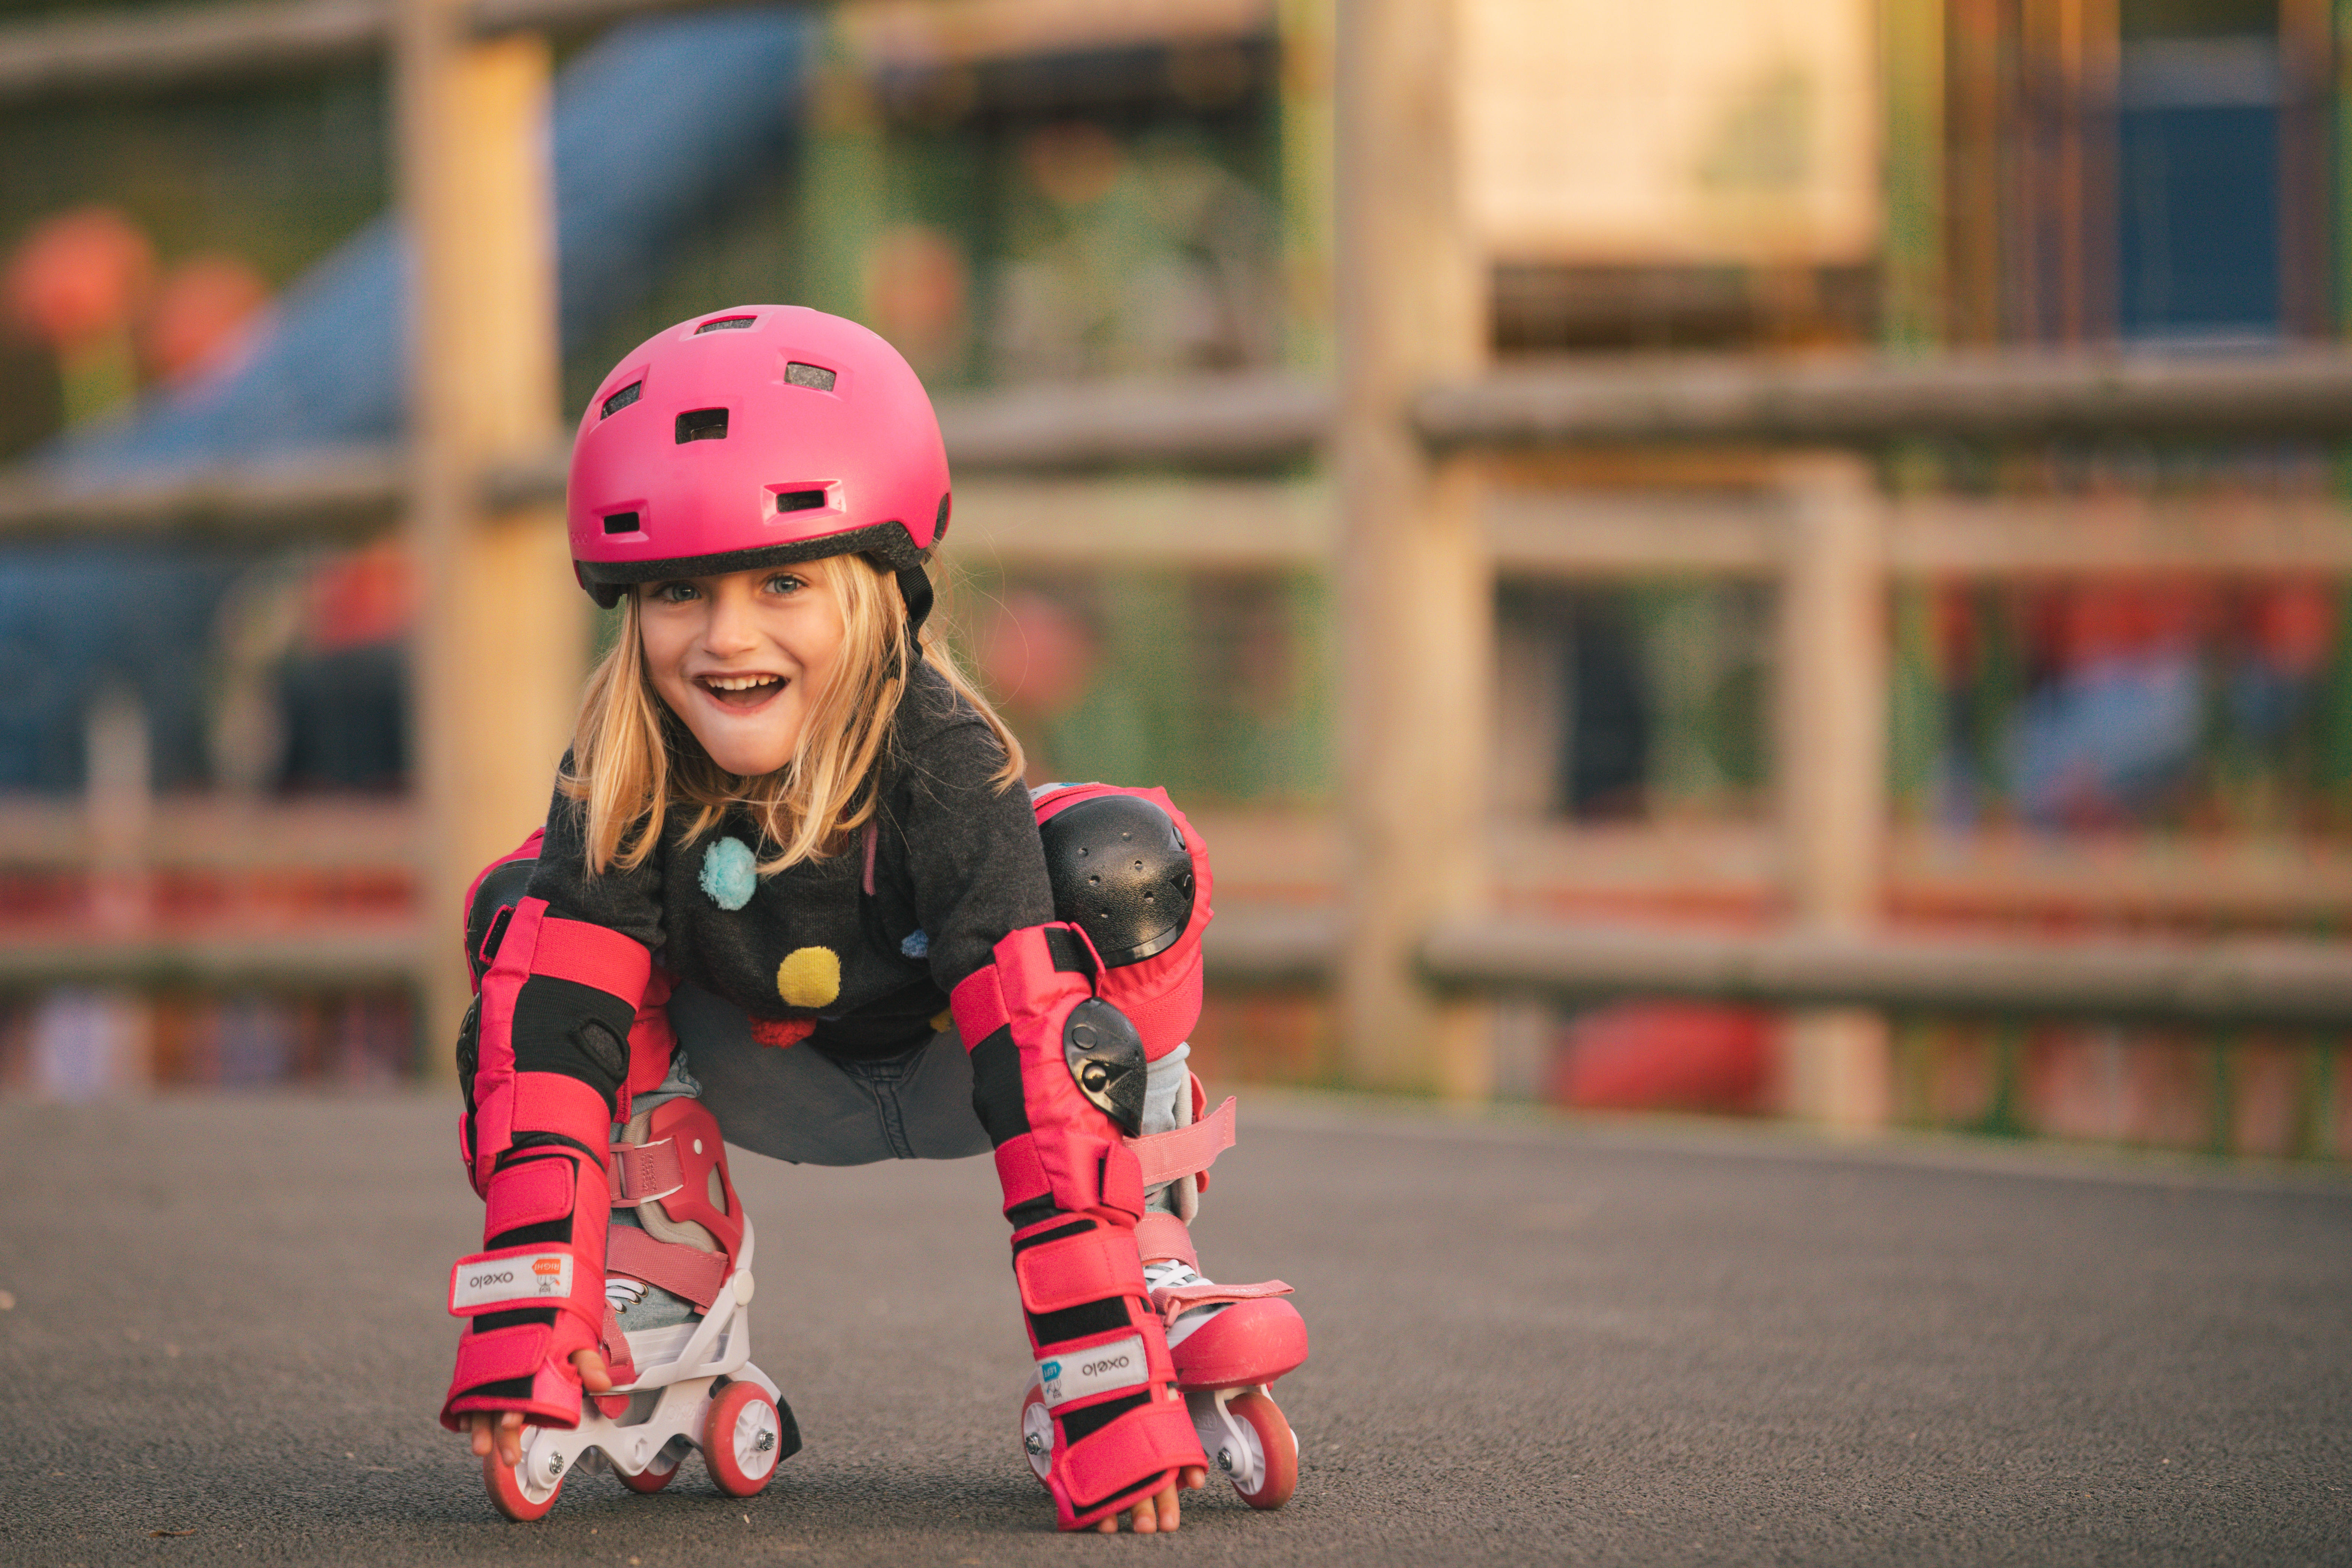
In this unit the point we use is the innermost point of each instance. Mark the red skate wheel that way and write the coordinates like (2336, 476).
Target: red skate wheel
(742, 1439)
(1037, 1432)
(1280, 1448)
(650, 1479)
(511, 1490)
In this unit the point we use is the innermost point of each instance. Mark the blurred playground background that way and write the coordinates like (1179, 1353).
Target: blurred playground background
(2088, 690)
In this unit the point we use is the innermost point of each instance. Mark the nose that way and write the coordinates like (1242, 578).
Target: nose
(730, 628)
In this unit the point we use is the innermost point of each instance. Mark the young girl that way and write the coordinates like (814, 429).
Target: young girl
(790, 892)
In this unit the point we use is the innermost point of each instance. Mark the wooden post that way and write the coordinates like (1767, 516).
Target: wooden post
(1305, 30)
(502, 628)
(1415, 587)
(1831, 768)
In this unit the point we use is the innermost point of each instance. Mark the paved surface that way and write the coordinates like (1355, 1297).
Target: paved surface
(1532, 1343)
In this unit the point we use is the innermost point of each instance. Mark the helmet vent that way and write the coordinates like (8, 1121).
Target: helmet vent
(799, 500)
(621, 522)
(813, 377)
(726, 324)
(624, 397)
(702, 425)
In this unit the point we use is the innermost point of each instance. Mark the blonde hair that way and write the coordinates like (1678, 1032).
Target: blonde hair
(633, 761)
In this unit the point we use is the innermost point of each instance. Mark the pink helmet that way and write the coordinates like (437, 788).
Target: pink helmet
(756, 436)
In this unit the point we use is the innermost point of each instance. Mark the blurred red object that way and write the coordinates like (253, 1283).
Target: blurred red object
(1037, 655)
(915, 286)
(79, 276)
(200, 312)
(2294, 626)
(1664, 1056)
(360, 599)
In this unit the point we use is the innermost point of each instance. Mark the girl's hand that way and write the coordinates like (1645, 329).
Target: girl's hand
(1157, 1513)
(503, 1432)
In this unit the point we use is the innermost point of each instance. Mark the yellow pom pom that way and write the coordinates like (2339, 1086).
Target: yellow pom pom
(809, 977)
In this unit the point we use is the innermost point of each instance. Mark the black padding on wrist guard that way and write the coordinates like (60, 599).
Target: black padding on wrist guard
(1034, 1211)
(1076, 1322)
(1080, 1424)
(1105, 1055)
(493, 905)
(549, 1033)
(544, 1317)
(996, 1096)
(1059, 1233)
(1120, 873)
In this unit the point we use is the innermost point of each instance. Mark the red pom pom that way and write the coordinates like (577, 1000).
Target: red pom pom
(782, 1032)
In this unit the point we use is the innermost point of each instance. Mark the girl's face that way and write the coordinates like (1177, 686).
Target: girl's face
(738, 656)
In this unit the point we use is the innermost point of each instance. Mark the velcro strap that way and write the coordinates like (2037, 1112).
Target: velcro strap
(978, 1004)
(678, 1268)
(1188, 1151)
(593, 955)
(530, 1193)
(515, 1350)
(1147, 1440)
(1088, 1267)
(517, 1277)
(1021, 1172)
(1122, 1185)
(1177, 1299)
(644, 1172)
(1163, 1235)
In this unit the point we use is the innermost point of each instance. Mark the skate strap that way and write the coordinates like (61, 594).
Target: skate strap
(1187, 1151)
(1163, 1236)
(644, 1172)
(678, 1268)
(1176, 1301)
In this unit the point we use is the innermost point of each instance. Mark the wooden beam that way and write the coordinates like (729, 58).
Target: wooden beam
(1866, 400)
(367, 959)
(1195, 525)
(341, 496)
(1240, 419)
(178, 48)
(2279, 983)
(163, 48)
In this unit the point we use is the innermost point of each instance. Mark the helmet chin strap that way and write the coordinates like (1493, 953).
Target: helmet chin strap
(915, 588)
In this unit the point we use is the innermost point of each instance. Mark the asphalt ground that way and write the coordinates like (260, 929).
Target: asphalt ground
(1533, 1342)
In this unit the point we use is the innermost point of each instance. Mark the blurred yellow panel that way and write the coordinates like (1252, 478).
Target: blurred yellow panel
(1674, 132)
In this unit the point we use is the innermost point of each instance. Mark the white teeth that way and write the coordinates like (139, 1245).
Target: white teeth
(738, 682)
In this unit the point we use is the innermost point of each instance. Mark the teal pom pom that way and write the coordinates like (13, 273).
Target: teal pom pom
(730, 874)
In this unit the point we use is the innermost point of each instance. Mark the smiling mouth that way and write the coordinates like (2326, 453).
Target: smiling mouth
(740, 691)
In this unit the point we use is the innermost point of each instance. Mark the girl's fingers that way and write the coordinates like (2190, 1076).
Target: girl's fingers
(594, 1375)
